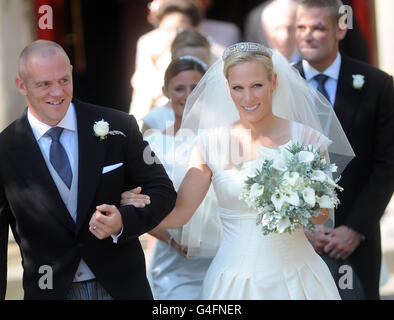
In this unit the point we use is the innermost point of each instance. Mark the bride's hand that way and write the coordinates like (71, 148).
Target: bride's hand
(181, 250)
(135, 198)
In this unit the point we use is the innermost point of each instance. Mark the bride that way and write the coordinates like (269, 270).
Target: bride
(250, 98)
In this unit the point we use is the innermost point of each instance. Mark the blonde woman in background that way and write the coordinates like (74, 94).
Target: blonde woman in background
(188, 42)
(153, 54)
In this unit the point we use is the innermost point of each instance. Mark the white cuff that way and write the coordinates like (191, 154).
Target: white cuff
(115, 237)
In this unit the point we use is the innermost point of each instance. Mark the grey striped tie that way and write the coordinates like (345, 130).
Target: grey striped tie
(321, 80)
(58, 156)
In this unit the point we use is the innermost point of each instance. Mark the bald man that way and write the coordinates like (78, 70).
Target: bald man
(278, 21)
(62, 173)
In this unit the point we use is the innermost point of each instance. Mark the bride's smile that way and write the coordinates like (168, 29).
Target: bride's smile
(252, 108)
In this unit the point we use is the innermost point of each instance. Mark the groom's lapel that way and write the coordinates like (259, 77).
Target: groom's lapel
(348, 100)
(27, 158)
(300, 69)
(91, 155)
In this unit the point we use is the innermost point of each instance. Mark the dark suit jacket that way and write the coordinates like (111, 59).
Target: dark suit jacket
(367, 117)
(44, 229)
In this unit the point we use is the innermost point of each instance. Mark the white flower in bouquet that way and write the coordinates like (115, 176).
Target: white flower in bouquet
(256, 190)
(283, 224)
(318, 175)
(267, 153)
(288, 186)
(291, 197)
(277, 199)
(291, 177)
(309, 196)
(305, 156)
(325, 202)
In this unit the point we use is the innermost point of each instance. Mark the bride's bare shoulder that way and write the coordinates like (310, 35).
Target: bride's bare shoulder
(237, 125)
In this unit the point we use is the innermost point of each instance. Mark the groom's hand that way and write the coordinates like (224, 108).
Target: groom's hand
(343, 242)
(105, 221)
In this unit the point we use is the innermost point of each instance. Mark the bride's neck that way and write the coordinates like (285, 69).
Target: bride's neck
(269, 130)
(262, 127)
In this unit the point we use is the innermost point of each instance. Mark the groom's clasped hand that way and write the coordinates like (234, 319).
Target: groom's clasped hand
(105, 221)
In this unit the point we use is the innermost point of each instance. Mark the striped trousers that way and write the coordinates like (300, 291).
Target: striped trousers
(88, 290)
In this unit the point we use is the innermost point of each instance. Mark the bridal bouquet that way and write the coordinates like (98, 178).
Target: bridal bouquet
(288, 186)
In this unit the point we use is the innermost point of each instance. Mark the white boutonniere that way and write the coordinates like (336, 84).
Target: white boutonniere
(358, 81)
(101, 130)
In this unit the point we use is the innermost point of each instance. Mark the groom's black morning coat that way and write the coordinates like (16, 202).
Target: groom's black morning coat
(367, 117)
(44, 229)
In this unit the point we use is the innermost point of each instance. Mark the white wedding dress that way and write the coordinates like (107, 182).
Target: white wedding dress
(249, 265)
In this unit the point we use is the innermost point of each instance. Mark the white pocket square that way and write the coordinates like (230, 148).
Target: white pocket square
(112, 167)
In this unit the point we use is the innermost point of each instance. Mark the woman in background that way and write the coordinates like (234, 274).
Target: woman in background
(188, 42)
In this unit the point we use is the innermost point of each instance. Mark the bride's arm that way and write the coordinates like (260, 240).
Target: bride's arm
(191, 192)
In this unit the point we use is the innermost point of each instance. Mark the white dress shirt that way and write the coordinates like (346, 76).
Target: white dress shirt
(332, 72)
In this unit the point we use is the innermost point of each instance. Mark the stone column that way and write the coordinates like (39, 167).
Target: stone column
(16, 31)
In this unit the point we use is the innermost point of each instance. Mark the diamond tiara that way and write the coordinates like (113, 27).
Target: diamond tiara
(246, 47)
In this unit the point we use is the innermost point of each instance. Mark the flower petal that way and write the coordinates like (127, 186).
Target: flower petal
(279, 164)
(325, 202)
(292, 198)
(318, 175)
(277, 200)
(305, 156)
(309, 196)
(283, 224)
(101, 128)
(285, 154)
(291, 177)
(268, 153)
(256, 190)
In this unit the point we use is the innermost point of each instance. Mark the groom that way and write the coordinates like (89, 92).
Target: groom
(363, 99)
(60, 187)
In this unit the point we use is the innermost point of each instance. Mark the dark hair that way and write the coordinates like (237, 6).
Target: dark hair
(332, 5)
(190, 8)
(189, 38)
(181, 64)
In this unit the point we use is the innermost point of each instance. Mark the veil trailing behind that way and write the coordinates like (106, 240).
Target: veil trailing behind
(210, 114)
